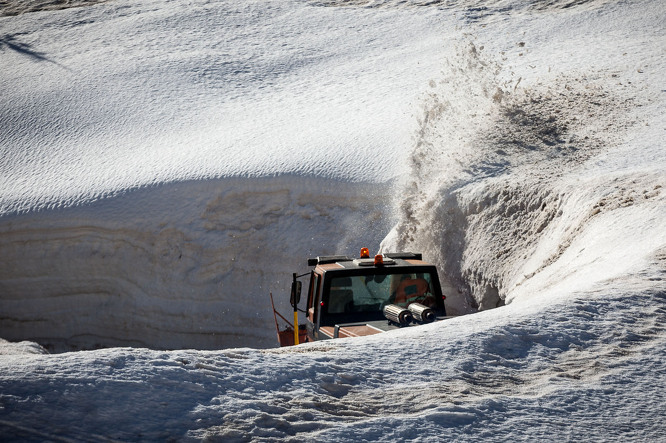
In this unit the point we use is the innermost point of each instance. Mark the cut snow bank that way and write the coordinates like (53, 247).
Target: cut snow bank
(184, 265)
(523, 189)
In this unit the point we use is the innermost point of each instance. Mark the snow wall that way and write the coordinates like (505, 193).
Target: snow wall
(184, 265)
(187, 265)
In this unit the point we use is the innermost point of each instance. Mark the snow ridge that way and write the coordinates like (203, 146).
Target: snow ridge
(525, 368)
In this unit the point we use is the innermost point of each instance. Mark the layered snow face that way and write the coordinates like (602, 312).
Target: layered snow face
(185, 265)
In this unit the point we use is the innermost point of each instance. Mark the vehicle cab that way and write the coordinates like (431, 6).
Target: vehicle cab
(347, 297)
(351, 297)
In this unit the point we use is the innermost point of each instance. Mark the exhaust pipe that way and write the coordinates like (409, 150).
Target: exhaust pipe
(398, 315)
(422, 313)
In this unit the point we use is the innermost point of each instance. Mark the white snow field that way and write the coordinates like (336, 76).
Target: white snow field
(165, 165)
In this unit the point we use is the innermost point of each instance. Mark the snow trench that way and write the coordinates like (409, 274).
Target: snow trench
(506, 177)
(182, 265)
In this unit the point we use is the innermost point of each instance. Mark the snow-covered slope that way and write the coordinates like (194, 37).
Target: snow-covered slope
(122, 95)
(531, 169)
(588, 367)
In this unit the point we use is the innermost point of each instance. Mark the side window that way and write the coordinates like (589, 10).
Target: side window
(341, 295)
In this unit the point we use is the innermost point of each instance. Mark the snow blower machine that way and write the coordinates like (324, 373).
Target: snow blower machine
(352, 297)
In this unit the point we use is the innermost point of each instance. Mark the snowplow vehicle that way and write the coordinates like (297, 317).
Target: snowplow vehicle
(352, 297)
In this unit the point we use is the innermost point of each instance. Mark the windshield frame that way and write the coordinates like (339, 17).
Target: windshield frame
(331, 319)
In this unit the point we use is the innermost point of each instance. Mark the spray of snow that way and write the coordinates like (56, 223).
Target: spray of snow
(490, 195)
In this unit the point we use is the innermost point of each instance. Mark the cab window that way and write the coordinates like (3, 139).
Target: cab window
(366, 293)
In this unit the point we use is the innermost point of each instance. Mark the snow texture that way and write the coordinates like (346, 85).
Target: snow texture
(166, 165)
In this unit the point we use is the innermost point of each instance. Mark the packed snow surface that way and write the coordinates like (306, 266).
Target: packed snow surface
(166, 165)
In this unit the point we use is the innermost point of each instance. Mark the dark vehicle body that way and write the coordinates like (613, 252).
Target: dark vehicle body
(351, 297)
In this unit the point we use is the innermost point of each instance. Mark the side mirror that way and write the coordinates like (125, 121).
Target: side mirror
(295, 292)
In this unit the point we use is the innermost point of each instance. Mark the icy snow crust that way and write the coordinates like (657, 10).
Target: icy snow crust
(586, 367)
(146, 181)
(250, 89)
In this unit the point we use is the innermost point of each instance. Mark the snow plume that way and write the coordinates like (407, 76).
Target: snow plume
(490, 172)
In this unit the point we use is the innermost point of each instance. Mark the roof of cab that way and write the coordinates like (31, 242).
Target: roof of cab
(396, 259)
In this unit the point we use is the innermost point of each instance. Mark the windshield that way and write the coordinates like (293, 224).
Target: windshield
(371, 292)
